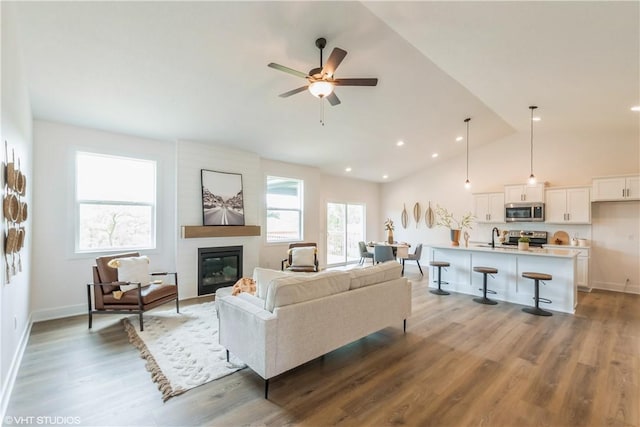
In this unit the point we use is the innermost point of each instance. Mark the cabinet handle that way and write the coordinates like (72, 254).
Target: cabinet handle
(568, 217)
(623, 191)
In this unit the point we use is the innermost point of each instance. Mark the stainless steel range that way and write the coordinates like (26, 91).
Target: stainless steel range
(536, 238)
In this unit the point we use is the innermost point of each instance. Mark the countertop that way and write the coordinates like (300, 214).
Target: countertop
(557, 252)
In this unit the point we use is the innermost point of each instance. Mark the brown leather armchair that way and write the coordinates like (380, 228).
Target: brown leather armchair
(143, 298)
(310, 265)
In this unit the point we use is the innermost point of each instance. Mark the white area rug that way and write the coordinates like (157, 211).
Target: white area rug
(181, 350)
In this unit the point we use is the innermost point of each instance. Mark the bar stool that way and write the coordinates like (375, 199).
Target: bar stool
(439, 264)
(485, 271)
(537, 277)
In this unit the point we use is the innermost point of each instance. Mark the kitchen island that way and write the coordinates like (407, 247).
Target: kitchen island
(508, 282)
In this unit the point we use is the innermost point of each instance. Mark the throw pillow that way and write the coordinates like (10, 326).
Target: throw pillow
(245, 284)
(132, 270)
(303, 257)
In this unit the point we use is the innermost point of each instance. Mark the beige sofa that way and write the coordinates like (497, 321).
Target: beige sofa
(295, 318)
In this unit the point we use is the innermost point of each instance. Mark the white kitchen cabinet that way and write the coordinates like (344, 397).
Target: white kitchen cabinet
(488, 207)
(615, 188)
(582, 268)
(568, 205)
(524, 193)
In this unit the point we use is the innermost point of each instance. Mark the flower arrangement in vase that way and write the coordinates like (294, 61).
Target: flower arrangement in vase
(446, 219)
(523, 243)
(388, 225)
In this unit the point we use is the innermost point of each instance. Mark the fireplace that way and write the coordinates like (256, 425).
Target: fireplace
(218, 267)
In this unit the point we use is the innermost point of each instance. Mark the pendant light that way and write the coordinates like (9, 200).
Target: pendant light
(467, 183)
(532, 177)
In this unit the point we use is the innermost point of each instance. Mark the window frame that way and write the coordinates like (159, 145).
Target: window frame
(300, 209)
(78, 203)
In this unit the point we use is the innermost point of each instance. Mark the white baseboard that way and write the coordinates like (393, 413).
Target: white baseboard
(12, 373)
(59, 312)
(615, 287)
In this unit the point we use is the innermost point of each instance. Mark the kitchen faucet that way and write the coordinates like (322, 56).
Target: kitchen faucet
(494, 232)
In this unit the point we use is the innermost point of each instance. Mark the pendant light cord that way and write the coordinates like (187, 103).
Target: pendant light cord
(467, 120)
(531, 167)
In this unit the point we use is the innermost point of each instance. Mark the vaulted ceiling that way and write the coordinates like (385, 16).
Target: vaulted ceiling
(198, 71)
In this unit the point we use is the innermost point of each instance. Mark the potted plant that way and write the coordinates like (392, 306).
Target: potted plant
(388, 225)
(446, 219)
(523, 243)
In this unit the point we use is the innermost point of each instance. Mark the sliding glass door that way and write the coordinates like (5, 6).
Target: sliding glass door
(345, 228)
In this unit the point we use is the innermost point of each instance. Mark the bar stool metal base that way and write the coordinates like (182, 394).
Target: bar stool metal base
(537, 311)
(485, 291)
(485, 300)
(440, 282)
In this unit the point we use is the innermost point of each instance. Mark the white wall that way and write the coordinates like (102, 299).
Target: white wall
(560, 159)
(271, 254)
(60, 277)
(16, 130)
(344, 190)
(318, 190)
(616, 246)
(192, 157)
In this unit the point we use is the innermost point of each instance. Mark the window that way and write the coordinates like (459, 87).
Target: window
(115, 203)
(345, 228)
(284, 209)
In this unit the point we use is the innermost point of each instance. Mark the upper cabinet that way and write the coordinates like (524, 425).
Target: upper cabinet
(615, 188)
(524, 193)
(488, 207)
(568, 205)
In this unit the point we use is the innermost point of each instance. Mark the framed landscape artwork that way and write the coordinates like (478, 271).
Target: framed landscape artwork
(222, 202)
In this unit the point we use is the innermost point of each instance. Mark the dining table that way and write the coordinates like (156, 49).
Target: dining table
(400, 249)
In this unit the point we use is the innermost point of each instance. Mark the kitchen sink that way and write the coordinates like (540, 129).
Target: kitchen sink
(488, 245)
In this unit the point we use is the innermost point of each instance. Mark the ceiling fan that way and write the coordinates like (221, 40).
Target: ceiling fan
(321, 80)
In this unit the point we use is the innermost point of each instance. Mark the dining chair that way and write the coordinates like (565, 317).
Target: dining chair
(415, 256)
(364, 253)
(382, 253)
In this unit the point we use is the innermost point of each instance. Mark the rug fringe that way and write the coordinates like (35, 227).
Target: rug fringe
(152, 366)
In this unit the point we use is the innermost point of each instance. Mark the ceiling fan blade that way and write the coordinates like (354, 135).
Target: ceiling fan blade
(355, 82)
(293, 92)
(287, 70)
(336, 57)
(333, 99)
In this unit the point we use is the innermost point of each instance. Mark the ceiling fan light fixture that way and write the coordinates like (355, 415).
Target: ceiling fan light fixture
(320, 88)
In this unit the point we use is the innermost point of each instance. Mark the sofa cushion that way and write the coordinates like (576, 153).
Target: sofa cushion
(305, 287)
(371, 275)
(262, 277)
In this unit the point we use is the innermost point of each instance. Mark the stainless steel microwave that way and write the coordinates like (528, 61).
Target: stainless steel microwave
(524, 212)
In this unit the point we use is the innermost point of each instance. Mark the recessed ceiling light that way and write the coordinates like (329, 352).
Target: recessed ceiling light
(434, 155)
(400, 143)
(458, 139)
(536, 119)
(347, 169)
(385, 176)
(635, 108)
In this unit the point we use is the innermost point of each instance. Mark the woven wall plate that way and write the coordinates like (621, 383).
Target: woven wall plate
(23, 212)
(11, 241)
(11, 207)
(20, 239)
(21, 183)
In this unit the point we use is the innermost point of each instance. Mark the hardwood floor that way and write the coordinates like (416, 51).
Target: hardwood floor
(459, 364)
